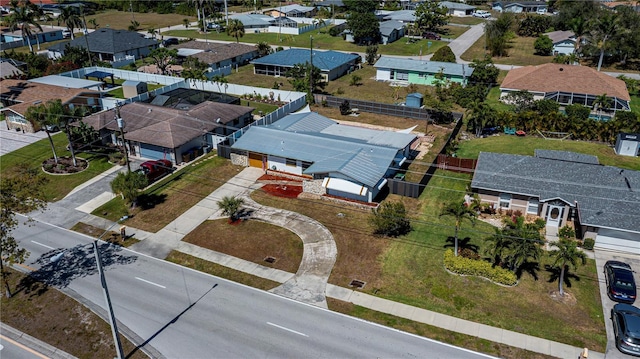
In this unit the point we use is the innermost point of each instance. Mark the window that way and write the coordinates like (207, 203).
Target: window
(291, 162)
(505, 200)
(532, 207)
(402, 76)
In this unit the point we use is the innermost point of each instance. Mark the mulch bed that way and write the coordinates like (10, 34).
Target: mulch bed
(64, 165)
(277, 178)
(281, 190)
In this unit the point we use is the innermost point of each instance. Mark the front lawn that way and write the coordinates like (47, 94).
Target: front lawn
(149, 20)
(527, 145)
(520, 52)
(57, 186)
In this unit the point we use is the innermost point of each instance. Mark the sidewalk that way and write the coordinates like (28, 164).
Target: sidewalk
(33, 343)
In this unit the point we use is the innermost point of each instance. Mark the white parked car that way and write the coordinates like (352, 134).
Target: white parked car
(482, 14)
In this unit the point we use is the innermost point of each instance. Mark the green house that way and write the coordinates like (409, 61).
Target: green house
(420, 72)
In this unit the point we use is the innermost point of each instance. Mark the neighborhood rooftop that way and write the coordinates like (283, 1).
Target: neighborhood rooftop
(30, 93)
(448, 68)
(324, 60)
(213, 52)
(108, 41)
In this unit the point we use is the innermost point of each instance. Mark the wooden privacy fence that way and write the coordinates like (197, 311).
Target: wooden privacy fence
(405, 189)
(456, 164)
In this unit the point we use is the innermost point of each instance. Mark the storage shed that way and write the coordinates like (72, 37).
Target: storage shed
(132, 88)
(628, 144)
(414, 100)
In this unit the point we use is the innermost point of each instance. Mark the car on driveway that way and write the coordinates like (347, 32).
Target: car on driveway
(621, 286)
(170, 41)
(626, 327)
(155, 169)
(482, 14)
(431, 35)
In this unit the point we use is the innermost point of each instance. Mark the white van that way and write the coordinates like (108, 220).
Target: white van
(482, 14)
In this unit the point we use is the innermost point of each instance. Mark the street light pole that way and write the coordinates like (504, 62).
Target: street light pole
(120, 122)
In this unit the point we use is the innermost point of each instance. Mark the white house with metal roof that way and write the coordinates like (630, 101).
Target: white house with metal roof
(420, 72)
(565, 188)
(339, 160)
(457, 9)
(332, 64)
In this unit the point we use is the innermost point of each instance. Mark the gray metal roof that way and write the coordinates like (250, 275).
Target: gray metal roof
(303, 122)
(295, 8)
(606, 196)
(456, 5)
(64, 81)
(387, 27)
(109, 41)
(324, 60)
(567, 156)
(432, 67)
(402, 15)
(253, 20)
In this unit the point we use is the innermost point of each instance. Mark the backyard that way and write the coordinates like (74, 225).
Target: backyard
(520, 52)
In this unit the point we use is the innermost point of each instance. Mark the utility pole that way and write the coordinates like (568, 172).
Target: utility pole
(105, 290)
(226, 12)
(131, 10)
(86, 32)
(311, 99)
(280, 23)
(121, 124)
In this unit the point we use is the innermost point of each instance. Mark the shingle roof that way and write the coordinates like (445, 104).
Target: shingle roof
(402, 15)
(606, 196)
(567, 156)
(109, 41)
(324, 60)
(293, 8)
(167, 127)
(565, 78)
(456, 5)
(29, 93)
(216, 52)
(7, 70)
(432, 67)
(521, 3)
(387, 27)
(558, 36)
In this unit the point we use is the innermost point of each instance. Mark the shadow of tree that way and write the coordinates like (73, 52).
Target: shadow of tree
(60, 267)
(32, 287)
(463, 243)
(150, 200)
(554, 275)
(529, 267)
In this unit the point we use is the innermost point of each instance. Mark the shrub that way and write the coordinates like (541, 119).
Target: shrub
(390, 219)
(345, 108)
(444, 54)
(466, 266)
(588, 243)
(340, 91)
(468, 253)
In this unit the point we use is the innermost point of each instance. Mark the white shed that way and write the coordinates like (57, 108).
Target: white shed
(628, 144)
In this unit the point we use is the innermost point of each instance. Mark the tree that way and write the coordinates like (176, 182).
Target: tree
(533, 25)
(360, 5)
(45, 116)
(94, 23)
(345, 108)
(390, 219)
(364, 27)
(128, 185)
(602, 102)
(134, 25)
(153, 32)
(230, 206)
(604, 27)
(543, 45)
(521, 100)
(71, 19)
(19, 193)
(566, 254)
(430, 16)
(372, 54)
(78, 55)
(525, 243)
(497, 246)
(298, 76)
(460, 212)
(484, 71)
(186, 23)
(235, 29)
(24, 16)
(162, 57)
(220, 80)
(498, 33)
(444, 54)
(263, 48)
(355, 80)
(195, 74)
(480, 115)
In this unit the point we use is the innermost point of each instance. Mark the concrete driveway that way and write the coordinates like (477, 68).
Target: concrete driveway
(13, 140)
(602, 256)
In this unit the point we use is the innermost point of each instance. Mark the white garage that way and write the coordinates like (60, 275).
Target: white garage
(619, 241)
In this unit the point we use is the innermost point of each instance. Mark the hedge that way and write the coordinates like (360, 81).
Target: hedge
(481, 268)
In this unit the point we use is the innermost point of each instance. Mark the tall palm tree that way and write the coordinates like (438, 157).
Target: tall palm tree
(567, 253)
(153, 32)
(460, 211)
(70, 18)
(40, 117)
(263, 48)
(579, 27)
(25, 15)
(604, 27)
(195, 74)
(601, 102)
(220, 80)
(235, 29)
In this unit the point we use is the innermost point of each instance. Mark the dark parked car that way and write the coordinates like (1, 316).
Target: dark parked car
(155, 169)
(620, 284)
(626, 327)
(170, 41)
(431, 35)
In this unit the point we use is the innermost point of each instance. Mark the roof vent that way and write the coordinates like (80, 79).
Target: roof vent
(149, 111)
(561, 69)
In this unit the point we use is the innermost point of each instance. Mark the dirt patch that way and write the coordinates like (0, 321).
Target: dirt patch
(568, 298)
(270, 177)
(282, 190)
(64, 166)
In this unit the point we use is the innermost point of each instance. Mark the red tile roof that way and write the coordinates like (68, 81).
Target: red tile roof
(565, 78)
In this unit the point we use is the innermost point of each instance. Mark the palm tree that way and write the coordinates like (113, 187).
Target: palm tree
(601, 102)
(220, 80)
(604, 27)
(235, 29)
(195, 74)
(263, 48)
(480, 114)
(525, 243)
(579, 27)
(497, 246)
(94, 23)
(185, 22)
(567, 253)
(460, 212)
(70, 18)
(153, 32)
(39, 116)
(25, 15)
(134, 25)
(230, 206)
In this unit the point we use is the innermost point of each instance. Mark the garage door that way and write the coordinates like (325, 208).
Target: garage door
(618, 241)
(628, 148)
(255, 160)
(152, 152)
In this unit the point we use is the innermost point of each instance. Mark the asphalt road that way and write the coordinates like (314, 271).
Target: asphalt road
(187, 314)
(15, 350)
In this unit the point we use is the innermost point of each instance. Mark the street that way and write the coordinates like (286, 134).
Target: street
(187, 314)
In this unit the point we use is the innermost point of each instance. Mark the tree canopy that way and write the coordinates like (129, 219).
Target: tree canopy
(390, 219)
(444, 54)
(364, 27)
(430, 16)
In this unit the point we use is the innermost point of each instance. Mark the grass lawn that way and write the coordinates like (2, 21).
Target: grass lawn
(466, 20)
(520, 53)
(57, 186)
(635, 104)
(49, 315)
(453, 32)
(149, 20)
(527, 145)
(119, 92)
(220, 271)
(239, 240)
(322, 41)
(493, 99)
(107, 236)
(172, 196)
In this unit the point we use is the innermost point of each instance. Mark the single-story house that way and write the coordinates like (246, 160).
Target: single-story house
(339, 160)
(217, 55)
(420, 72)
(404, 16)
(260, 23)
(16, 96)
(564, 42)
(110, 45)
(565, 187)
(48, 34)
(328, 4)
(391, 31)
(628, 144)
(567, 85)
(520, 6)
(156, 132)
(332, 64)
(294, 10)
(457, 9)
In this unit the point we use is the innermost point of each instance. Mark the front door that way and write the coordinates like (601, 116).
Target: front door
(554, 215)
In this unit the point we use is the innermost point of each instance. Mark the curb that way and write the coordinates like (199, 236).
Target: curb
(34, 343)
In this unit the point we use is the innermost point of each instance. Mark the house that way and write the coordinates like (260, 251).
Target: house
(520, 6)
(567, 85)
(217, 55)
(601, 202)
(404, 16)
(156, 132)
(7, 70)
(391, 31)
(110, 45)
(294, 10)
(16, 96)
(457, 9)
(260, 23)
(420, 72)
(332, 64)
(338, 160)
(564, 42)
(38, 37)
(69, 82)
(628, 144)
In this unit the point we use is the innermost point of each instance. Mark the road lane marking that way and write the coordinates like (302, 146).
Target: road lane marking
(31, 269)
(150, 282)
(287, 329)
(44, 245)
(24, 347)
